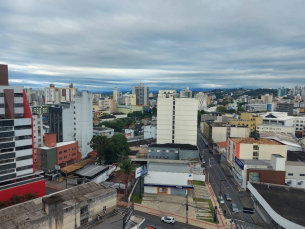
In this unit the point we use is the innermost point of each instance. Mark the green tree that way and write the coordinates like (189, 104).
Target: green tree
(254, 134)
(154, 111)
(1, 205)
(131, 115)
(117, 148)
(241, 109)
(211, 142)
(100, 144)
(221, 109)
(126, 166)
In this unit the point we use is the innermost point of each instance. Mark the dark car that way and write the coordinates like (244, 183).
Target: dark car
(228, 197)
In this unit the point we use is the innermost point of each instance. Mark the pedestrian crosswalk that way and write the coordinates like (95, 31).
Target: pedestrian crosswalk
(243, 226)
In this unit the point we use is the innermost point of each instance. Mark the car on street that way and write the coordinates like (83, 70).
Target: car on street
(220, 199)
(168, 219)
(228, 197)
(233, 207)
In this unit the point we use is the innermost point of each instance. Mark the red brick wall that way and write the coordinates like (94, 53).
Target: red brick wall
(50, 140)
(70, 150)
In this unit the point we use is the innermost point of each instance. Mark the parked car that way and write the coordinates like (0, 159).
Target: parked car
(220, 199)
(233, 207)
(228, 197)
(168, 219)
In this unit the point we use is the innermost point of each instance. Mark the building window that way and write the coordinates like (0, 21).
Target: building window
(73, 154)
(60, 158)
(65, 157)
(302, 175)
(290, 174)
(84, 210)
(84, 221)
(60, 152)
(65, 151)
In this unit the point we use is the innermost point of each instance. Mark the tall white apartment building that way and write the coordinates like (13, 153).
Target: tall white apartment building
(177, 119)
(118, 96)
(74, 121)
(17, 172)
(37, 133)
(202, 101)
(55, 95)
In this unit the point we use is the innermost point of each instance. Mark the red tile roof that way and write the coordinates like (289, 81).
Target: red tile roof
(223, 144)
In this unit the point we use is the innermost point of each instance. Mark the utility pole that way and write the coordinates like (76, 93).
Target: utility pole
(66, 179)
(187, 207)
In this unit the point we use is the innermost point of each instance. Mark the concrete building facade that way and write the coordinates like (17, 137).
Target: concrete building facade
(74, 121)
(38, 133)
(275, 129)
(108, 105)
(57, 95)
(69, 209)
(17, 170)
(250, 148)
(150, 132)
(172, 151)
(247, 119)
(141, 93)
(177, 119)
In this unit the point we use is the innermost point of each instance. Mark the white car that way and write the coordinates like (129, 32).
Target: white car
(220, 199)
(168, 219)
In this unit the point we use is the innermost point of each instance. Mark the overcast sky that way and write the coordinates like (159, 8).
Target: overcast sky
(98, 45)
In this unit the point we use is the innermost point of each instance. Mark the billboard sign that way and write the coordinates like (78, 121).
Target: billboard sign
(239, 163)
(141, 170)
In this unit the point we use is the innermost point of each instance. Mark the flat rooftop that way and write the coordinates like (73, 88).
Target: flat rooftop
(286, 201)
(295, 156)
(176, 146)
(77, 166)
(287, 139)
(101, 128)
(254, 162)
(168, 167)
(142, 142)
(91, 170)
(254, 141)
(32, 210)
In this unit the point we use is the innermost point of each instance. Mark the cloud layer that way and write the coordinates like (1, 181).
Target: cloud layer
(99, 45)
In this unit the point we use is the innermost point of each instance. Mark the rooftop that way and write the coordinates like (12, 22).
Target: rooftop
(64, 143)
(32, 210)
(77, 166)
(106, 116)
(177, 146)
(287, 139)
(142, 142)
(101, 128)
(223, 144)
(292, 201)
(295, 163)
(168, 167)
(295, 156)
(254, 162)
(91, 170)
(262, 141)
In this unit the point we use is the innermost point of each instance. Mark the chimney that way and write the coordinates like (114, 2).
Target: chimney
(3, 75)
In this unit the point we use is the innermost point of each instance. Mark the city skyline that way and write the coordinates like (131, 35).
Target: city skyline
(201, 44)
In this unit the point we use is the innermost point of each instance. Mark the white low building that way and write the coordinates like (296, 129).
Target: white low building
(103, 131)
(275, 129)
(170, 178)
(295, 174)
(150, 132)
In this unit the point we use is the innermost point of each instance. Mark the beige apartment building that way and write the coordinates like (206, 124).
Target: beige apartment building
(55, 95)
(108, 105)
(247, 119)
(130, 99)
(250, 148)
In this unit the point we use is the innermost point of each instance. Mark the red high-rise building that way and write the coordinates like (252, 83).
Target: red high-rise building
(17, 172)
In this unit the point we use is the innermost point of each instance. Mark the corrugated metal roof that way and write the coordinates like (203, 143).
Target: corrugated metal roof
(91, 170)
(170, 168)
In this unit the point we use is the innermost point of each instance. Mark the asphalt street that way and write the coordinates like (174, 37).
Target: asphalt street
(222, 184)
(151, 220)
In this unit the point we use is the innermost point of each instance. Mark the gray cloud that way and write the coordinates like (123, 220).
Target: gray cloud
(102, 44)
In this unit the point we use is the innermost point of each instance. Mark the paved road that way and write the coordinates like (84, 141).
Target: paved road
(216, 174)
(151, 220)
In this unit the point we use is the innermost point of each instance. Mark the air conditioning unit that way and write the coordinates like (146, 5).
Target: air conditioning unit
(289, 182)
(300, 182)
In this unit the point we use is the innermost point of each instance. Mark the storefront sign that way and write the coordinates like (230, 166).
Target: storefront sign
(239, 163)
